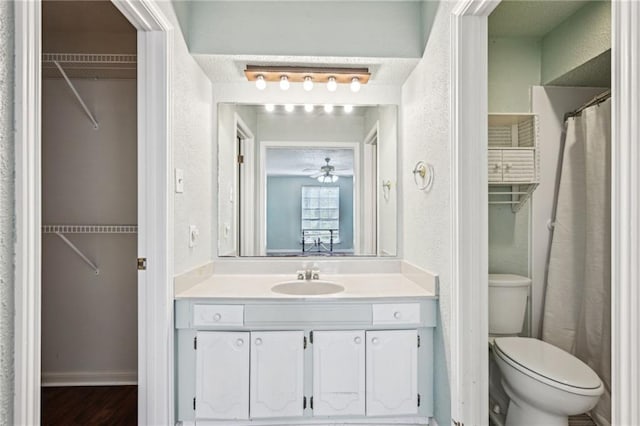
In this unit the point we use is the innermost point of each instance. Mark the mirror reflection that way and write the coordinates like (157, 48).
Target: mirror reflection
(307, 180)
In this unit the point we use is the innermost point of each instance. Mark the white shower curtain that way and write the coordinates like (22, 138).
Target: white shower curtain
(578, 294)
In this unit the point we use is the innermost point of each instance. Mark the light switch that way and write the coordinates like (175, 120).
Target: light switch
(194, 233)
(179, 181)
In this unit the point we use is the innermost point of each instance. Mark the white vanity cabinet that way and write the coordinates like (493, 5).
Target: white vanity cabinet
(339, 373)
(222, 376)
(277, 374)
(297, 362)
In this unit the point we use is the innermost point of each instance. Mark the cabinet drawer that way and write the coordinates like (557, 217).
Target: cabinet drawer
(212, 315)
(396, 313)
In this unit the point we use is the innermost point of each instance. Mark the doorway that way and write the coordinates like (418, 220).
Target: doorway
(89, 214)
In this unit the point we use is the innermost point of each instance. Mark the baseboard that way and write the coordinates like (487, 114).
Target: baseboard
(90, 378)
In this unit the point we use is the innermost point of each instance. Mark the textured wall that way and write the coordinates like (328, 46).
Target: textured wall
(426, 227)
(514, 66)
(581, 38)
(192, 151)
(7, 217)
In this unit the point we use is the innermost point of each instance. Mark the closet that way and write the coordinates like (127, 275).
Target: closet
(89, 212)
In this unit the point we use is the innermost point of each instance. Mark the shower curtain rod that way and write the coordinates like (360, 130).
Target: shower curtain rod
(595, 101)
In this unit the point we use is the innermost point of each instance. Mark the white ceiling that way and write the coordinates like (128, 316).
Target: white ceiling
(527, 18)
(295, 161)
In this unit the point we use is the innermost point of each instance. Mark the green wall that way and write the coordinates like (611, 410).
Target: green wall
(514, 66)
(577, 41)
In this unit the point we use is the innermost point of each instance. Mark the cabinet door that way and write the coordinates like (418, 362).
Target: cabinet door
(495, 165)
(392, 372)
(277, 373)
(519, 165)
(338, 373)
(222, 375)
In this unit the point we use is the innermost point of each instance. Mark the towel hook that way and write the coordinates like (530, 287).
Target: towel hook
(423, 176)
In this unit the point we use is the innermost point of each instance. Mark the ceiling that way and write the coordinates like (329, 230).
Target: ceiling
(527, 18)
(298, 161)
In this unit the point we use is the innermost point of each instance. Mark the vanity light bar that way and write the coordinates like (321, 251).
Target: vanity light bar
(298, 74)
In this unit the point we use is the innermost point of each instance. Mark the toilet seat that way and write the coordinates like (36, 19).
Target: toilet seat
(548, 364)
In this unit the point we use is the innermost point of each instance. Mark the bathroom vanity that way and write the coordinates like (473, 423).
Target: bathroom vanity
(248, 355)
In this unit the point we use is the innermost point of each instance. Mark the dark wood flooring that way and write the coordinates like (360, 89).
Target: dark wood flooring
(90, 405)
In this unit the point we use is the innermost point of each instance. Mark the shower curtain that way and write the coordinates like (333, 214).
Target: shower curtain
(577, 308)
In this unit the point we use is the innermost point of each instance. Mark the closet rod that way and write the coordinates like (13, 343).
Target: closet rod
(79, 253)
(78, 97)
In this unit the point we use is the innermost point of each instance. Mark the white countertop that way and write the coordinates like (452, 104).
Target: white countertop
(258, 286)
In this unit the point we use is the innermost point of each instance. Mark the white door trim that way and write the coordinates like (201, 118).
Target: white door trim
(625, 213)
(28, 213)
(246, 190)
(469, 212)
(155, 211)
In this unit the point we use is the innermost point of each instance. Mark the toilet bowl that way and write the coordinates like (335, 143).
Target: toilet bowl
(544, 383)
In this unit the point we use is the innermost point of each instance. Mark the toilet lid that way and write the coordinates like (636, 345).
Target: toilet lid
(548, 361)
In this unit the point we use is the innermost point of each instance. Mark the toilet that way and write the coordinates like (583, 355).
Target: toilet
(545, 384)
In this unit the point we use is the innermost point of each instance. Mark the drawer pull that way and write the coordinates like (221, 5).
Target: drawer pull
(397, 315)
(258, 341)
(357, 340)
(375, 340)
(217, 317)
(239, 342)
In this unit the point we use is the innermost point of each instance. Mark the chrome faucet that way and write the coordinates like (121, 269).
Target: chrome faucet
(309, 274)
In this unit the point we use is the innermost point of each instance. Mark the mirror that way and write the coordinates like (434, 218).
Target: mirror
(307, 181)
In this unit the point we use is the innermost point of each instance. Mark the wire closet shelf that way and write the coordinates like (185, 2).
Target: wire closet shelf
(61, 230)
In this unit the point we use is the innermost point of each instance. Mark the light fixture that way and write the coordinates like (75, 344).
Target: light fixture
(332, 84)
(348, 108)
(327, 178)
(307, 84)
(308, 76)
(328, 108)
(308, 107)
(284, 82)
(355, 84)
(270, 107)
(289, 107)
(261, 84)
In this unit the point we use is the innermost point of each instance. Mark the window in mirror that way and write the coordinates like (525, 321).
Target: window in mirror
(320, 218)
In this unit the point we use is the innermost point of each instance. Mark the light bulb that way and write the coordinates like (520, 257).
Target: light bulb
(270, 107)
(334, 178)
(355, 84)
(328, 108)
(261, 84)
(332, 85)
(308, 108)
(321, 178)
(289, 107)
(307, 84)
(284, 82)
(348, 108)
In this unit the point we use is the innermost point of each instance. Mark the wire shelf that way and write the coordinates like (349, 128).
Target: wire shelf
(90, 58)
(90, 229)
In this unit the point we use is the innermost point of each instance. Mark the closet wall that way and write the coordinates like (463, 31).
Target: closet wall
(89, 320)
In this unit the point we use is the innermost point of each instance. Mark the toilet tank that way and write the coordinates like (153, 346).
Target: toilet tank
(507, 303)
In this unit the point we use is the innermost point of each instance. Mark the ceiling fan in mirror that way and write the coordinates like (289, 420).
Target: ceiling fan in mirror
(327, 173)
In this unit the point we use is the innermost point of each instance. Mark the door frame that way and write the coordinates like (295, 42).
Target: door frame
(469, 231)
(155, 212)
(246, 188)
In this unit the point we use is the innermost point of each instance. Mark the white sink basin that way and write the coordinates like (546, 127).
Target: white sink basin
(307, 288)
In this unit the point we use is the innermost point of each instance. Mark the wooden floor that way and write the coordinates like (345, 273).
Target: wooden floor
(90, 405)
